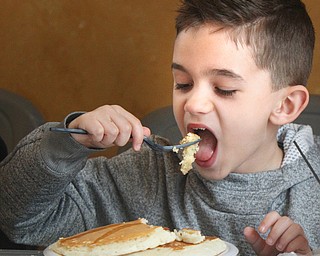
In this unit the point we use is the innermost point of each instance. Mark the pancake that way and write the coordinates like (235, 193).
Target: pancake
(211, 246)
(190, 236)
(139, 239)
(114, 239)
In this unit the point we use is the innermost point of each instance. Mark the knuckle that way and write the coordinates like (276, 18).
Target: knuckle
(298, 228)
(287, 220)
(117, 108)
(274, 214)
(137, 122)
(120, 142)
(97, 130)
(113, 131)
(126, 128)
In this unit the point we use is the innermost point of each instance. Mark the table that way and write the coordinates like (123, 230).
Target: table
(5, 252)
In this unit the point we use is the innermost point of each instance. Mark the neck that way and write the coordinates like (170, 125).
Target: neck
(269, 159)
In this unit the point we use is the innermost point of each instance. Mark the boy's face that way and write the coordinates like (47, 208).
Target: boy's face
(217, 86)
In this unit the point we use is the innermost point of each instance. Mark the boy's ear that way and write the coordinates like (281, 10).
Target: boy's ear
(292, 103)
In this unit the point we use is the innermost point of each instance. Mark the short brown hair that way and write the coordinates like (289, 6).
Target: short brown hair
(280, 32)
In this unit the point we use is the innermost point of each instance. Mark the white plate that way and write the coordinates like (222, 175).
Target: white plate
(231, 251)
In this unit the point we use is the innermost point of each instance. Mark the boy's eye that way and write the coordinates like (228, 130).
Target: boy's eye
(182, 86)
(225, 92)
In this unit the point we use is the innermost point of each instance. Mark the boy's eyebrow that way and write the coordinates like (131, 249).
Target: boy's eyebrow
(212, 72)
(178, 67)
(224, 72)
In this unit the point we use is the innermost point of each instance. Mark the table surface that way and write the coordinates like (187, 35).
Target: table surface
(5, 252)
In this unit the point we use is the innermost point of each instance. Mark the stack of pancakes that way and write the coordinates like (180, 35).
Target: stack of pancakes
(138, 238)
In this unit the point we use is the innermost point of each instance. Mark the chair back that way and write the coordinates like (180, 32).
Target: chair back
(311, 115)
(18, 117)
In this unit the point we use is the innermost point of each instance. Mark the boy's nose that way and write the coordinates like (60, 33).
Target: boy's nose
(199, 102)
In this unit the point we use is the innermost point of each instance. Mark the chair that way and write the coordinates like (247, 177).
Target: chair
(18, 117)
(3, 149)
(311, 115)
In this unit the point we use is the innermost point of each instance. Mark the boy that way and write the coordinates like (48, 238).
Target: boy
(239, 69)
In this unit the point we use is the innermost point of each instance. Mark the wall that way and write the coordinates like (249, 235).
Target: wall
(313, 7)
(67, 55)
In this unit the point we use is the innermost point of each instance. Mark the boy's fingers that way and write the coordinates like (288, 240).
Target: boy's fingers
(133, 128)
(284, 234)
(254, 239)
(107, 126)
(136, 144)
(279, 229)
(293, 239)
(258, 244)
(296, 246)
(269, 220)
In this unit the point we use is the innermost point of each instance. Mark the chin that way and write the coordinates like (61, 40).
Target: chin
(211, 174)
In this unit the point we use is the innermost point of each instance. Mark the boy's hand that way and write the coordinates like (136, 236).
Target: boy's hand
(108, 126)
(285, 236)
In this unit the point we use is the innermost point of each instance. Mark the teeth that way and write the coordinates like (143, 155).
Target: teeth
(196, 130)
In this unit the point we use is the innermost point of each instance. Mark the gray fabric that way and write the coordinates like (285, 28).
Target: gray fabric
(49, 189)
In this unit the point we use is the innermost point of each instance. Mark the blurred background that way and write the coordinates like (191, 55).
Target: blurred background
(67, 55)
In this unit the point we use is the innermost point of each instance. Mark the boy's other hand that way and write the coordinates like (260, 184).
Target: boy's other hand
(109, 125)
(285, 236)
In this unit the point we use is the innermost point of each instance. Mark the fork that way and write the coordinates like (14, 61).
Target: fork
(148, 141)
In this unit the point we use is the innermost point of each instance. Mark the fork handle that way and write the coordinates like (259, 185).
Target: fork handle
(68, 130)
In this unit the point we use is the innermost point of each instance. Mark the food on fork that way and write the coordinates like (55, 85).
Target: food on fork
(188, 153)
(139, 239)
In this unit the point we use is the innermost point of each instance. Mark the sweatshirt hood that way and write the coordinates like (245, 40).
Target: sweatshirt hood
(289, 133)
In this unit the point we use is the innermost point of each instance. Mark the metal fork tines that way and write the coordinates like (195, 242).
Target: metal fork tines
(148, 141)
(159, 147)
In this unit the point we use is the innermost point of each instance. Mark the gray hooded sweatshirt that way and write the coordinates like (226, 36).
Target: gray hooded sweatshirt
(49, 188)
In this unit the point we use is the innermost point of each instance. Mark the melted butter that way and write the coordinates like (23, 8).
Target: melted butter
(109, 234)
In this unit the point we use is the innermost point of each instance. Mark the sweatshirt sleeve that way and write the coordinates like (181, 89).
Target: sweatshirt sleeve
(36, 187)
(50, 188)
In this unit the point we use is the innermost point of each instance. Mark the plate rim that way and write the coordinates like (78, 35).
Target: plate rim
(231, 248)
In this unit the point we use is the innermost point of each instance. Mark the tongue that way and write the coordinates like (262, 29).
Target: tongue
(207, 145)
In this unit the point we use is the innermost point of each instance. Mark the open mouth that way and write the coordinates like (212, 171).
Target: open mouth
(207, 145)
